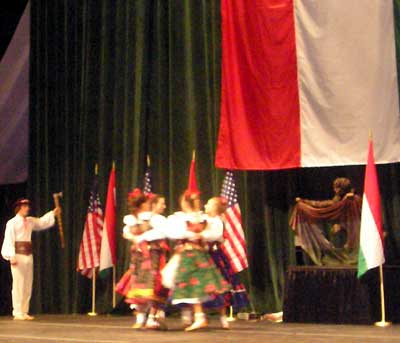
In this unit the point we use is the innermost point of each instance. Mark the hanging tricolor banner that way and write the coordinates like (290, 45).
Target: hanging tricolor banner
(304, 80)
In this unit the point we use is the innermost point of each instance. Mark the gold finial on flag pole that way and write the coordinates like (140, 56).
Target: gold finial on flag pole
(96, 169)
(194, 155)
(370, 134)
(148, 160)
(113, 165)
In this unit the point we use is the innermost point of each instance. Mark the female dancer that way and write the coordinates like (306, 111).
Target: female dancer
(196, 278)
(237, 297)
(156, 317)
(143, 288)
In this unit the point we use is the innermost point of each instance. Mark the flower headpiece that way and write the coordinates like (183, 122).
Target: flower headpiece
(135, 193)
(150, 195)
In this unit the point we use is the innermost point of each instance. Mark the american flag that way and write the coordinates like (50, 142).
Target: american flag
(147, 186)
(89, 251)
(234, 245)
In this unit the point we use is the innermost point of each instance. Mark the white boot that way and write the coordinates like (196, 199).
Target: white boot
(151, 322)
(140, 320)
(224, 322)
(199, 322)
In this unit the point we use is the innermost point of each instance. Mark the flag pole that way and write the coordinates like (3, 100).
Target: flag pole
(194, 155)
(93, 313)
(231, 318)
(383, 323)
(148, 161)
(114, 299)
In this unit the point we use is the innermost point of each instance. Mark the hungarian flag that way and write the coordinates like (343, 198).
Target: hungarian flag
(370, 254)
(192, 182)
(303, 80)
(107, 252)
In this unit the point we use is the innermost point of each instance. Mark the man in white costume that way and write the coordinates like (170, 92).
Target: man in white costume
(17, 248)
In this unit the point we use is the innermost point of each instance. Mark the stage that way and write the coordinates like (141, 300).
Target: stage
(117, 329)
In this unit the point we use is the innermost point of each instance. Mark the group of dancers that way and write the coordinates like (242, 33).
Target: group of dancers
(196, 277)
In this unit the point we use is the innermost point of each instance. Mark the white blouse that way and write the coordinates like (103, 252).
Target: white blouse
(214, 230)
(19, 229)
(156, 221)
(176, 227)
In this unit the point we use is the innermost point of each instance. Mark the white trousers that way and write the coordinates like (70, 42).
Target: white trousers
(22, 274)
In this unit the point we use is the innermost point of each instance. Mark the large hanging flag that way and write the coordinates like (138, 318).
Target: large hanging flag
(108, 254)
(234, 245)
(370, 254)
(303, 80)
(89, 249)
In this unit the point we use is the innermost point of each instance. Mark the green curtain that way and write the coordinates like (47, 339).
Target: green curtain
(119, 79)
(115, 81)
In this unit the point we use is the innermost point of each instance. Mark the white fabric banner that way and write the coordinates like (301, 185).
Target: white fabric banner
(347, 81)
(14, 105)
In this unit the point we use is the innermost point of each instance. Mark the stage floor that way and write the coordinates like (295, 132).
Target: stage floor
(116, 329)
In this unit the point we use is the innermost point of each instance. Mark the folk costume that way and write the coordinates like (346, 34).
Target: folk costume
(193, 275)
(237, 297)
(141, 284)
(17, 246)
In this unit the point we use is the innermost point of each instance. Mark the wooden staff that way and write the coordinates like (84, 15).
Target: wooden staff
(56, 197)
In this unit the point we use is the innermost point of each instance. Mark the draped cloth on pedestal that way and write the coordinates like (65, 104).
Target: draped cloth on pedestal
(309, 224)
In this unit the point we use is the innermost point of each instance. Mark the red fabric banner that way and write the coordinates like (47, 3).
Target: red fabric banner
(192, 183)
(260, 120)
(371, 190)
(110, 218)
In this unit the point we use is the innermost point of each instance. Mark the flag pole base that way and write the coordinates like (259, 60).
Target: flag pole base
(92, 314)
(383, 324)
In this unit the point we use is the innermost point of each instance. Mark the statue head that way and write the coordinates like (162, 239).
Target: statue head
(342, 186)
